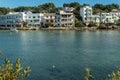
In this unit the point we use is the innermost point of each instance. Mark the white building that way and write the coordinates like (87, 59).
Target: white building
(95, 18)
(107, 18)
(16, 19)
(34, 19)
(116, 12)
(65, 19)
(86, 14)
(11, 19)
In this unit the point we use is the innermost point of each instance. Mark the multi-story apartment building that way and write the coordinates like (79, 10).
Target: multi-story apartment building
(50, 18)
(65, 18)
(34, 19)
(16, 19)
(86, 14)
(116, 12)
(11, 19)
(107, 18)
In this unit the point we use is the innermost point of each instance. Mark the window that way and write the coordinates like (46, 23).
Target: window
(38, 16)
(51, 20)
(34, 17)
(47, 20)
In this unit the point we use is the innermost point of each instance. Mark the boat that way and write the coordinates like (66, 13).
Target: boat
(13, 29)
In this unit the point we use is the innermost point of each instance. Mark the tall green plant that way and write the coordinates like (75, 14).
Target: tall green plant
(15, 71)
(88, 75)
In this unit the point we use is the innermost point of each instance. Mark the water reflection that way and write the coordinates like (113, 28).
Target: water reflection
(69, 51)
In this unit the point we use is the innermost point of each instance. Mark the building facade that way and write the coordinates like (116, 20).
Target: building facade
(109, 17)
(11, 19)
(34, 19)
(65, 18)
(49, 18)
(86, 14)
(16, 19)
(116, 12)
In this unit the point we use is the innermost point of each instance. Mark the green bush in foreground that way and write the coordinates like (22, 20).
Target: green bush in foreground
(115, 75)
(88, 75)
(15, 71)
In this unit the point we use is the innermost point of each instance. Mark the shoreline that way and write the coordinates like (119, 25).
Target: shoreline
(64, 28)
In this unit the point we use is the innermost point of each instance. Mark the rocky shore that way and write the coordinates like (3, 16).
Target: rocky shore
(64, 28)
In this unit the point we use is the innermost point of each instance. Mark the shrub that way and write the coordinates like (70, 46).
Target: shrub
(92, 24)
(48, 24)
(10, 71)
(79, 23)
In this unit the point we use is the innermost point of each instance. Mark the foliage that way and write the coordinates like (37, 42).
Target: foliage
(22, 8)
(10, 71)
(25, 24)
(4, 10)
(88, 75)
(86, 4)
(118, 23)
(79, 23)
(48, 7)
(104, 8)
(48, 24)
(114, 75)
(102, 25)
(109, 24)
(92, 24)
(0, 52)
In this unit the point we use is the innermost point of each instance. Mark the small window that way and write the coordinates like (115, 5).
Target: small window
(34, 17)
(51, 20)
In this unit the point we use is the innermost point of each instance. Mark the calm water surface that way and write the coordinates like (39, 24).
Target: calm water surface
(69, 51)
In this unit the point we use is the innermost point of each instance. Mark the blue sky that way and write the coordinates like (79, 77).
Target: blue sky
(58, 3)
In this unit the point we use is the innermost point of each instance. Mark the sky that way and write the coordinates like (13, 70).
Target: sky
(58, 3)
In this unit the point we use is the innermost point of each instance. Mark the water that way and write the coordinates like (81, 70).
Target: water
(63, 55)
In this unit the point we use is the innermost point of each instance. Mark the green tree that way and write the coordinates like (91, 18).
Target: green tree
(115, 75)
(25, 24)
(118, 22)
(86, 4)
(48, 24)
(92, 24)
(22, 8)
(88, 75)
(79, 23)
(4, 10)
(15, 71)
(48, 7)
